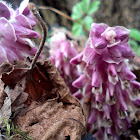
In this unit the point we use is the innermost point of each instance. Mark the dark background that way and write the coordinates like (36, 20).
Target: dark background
(112, 12)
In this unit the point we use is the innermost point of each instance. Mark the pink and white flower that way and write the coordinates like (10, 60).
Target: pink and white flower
(16, 32)
(107, 81)
(61, 51)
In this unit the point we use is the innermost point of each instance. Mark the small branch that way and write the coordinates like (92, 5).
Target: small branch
(64, 15)
(58, 12)
(44, 32)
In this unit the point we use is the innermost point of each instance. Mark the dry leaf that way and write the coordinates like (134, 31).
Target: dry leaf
(5, 111)
(41, 102)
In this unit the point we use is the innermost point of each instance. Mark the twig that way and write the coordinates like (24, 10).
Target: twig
(44, 32)
(64, 15)
(58, 12)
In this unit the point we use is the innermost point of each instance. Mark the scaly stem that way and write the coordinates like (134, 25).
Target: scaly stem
(44, 32)
(87, 108)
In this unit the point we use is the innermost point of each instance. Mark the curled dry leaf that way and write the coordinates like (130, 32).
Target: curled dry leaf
(41, 102)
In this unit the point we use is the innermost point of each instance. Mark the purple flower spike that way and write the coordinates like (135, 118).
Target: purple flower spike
(24, 11)
(109, 83)
(16, 32)
(4, 11)
(80, 82)
(61, 51)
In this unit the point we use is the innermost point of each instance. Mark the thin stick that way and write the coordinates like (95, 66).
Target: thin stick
(64, 15)
(58, 12)
(44, 32)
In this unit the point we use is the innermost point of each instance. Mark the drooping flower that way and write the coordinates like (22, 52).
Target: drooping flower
(16, 32)
(61, 51)
(107, 81)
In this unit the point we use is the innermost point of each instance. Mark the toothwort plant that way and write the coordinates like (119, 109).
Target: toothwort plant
(16, 32)
(61, 51)
(106, 80)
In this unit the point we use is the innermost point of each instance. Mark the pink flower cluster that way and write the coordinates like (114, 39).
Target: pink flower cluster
(107, 81)
(61, 51)
(16, 32)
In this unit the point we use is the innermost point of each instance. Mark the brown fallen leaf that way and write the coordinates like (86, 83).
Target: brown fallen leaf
(3, 95)
(5, 110)
(41, 102)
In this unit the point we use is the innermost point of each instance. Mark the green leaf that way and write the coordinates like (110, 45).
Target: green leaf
(77, 11)
(135, 34)
(87, 22)
(85, 5)
(133, 44)
(138, 51)
(93, 7)
(77, 29)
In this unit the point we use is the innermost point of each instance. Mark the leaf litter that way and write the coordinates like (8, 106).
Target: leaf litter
(40, 102)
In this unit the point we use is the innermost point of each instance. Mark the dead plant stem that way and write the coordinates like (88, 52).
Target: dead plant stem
(44, 32)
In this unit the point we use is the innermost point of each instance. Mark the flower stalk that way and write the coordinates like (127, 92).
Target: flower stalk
(61, 51)
(107, 81)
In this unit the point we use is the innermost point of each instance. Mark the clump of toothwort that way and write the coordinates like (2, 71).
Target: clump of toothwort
(107, 82)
